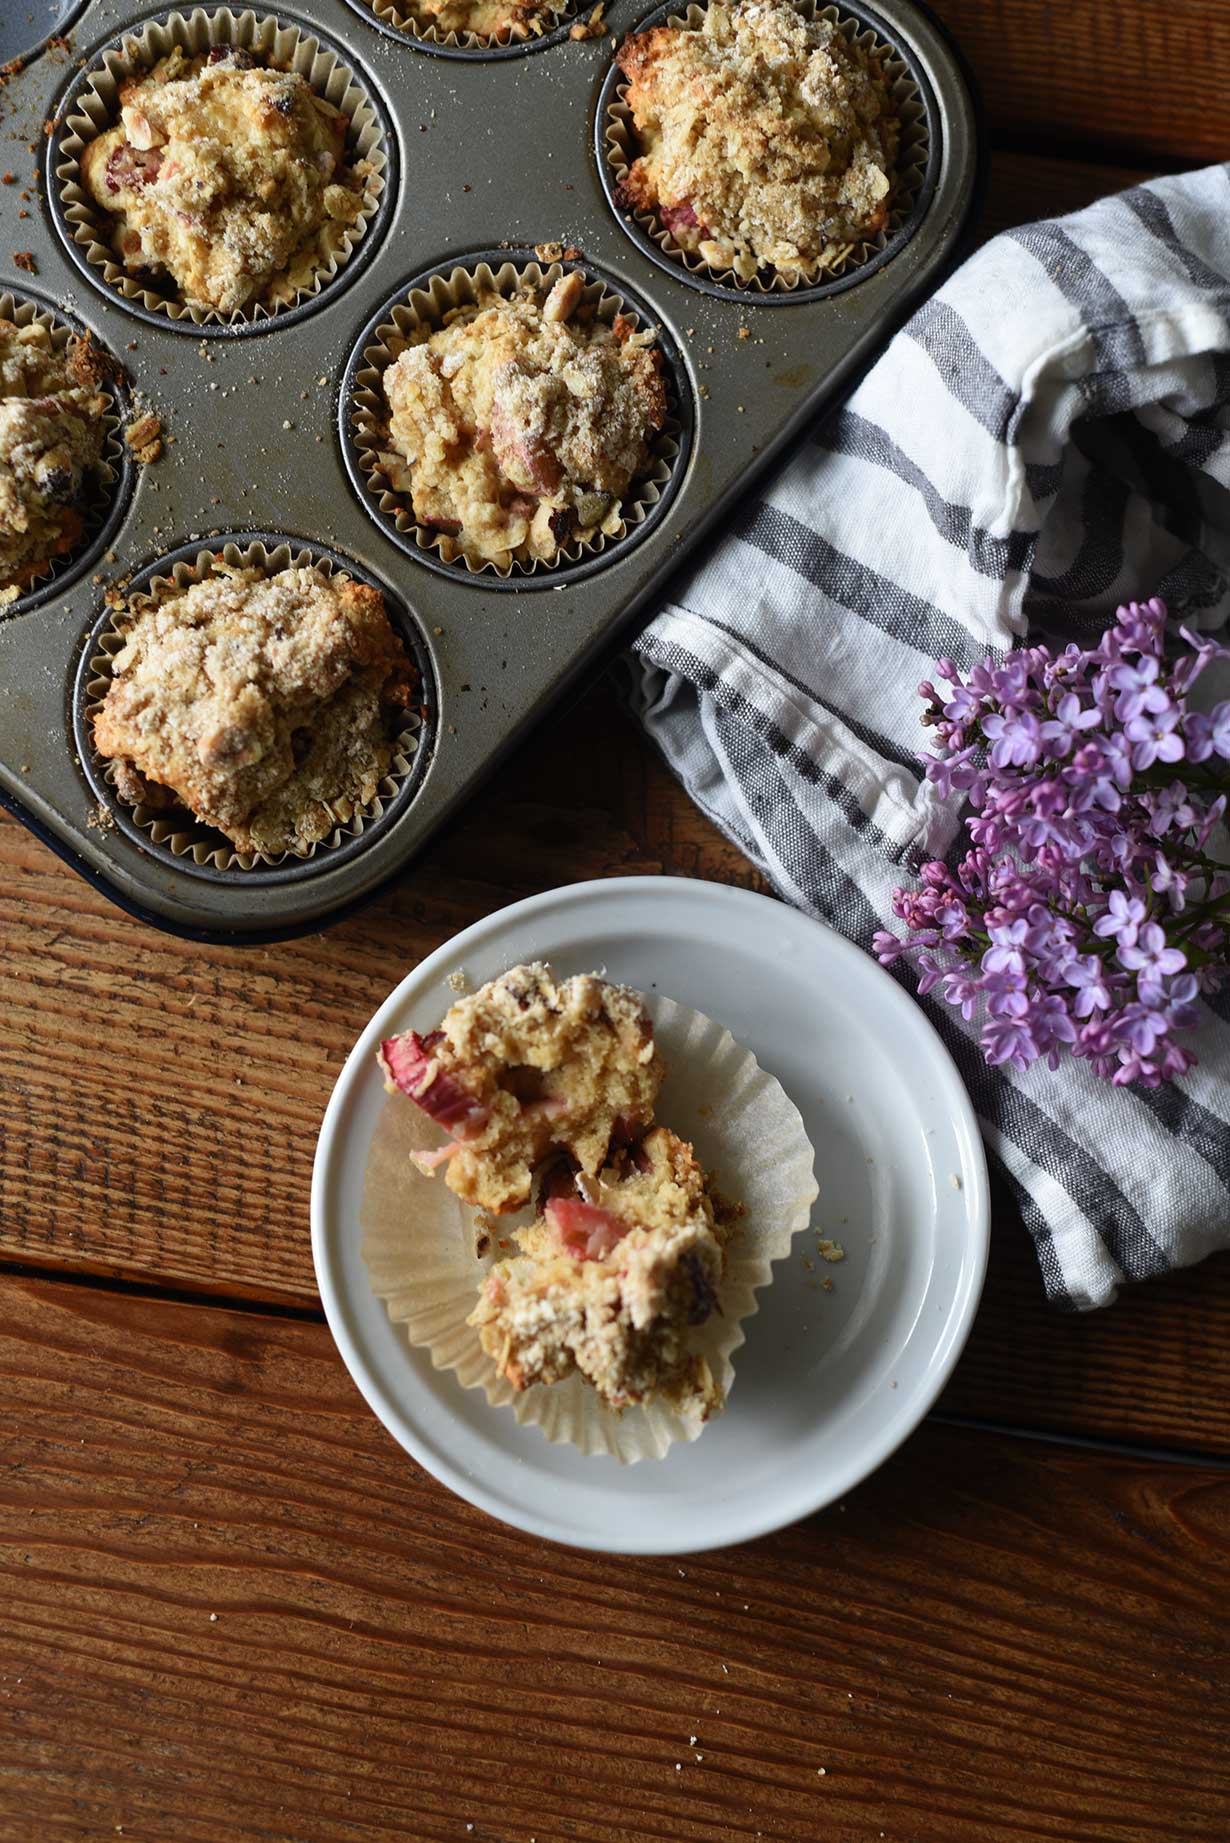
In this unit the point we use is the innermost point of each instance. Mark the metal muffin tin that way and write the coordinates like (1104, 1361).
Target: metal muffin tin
(493, 153)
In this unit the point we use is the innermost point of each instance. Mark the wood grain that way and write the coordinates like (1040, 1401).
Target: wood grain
(159, 1100)
(1134, 78)
(234, 1608)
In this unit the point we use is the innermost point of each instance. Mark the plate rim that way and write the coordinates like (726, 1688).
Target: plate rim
(756, 1521)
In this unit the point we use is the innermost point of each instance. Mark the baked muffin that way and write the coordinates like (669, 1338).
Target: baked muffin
(524, 1069)
(612, 1284)
(223, 175)
(51, 441)
(522, 422)
(767, 140)
(493, 21)
(261, 704)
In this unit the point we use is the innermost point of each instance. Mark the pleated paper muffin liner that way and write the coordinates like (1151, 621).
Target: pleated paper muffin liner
(403, 18)
(177, 831)
(620, 148)
(424, 310)
(95, 107)
(104, 481)
(418, 1238)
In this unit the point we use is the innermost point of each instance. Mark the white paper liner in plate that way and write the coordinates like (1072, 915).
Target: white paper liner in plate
(176, 830)
(279, 44)
(418, 1238)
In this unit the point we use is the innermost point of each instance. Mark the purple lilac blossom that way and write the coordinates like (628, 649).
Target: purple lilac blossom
(1093, 907)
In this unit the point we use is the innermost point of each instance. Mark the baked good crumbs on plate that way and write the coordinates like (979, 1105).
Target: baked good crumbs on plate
(767, 139)
(492, 21)
(222, 174)
(613, 1282)
(262, 704)
(51, 442)
(520, 425)
(525, 1068)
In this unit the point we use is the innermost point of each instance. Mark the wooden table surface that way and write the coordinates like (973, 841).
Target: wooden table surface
(234, 1609)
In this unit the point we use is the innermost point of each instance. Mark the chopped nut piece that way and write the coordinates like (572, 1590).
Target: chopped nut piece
(563, 298)
(144, 437)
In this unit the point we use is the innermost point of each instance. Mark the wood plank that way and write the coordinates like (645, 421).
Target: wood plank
(1025, 186)
(1143, 1370)
(1135, 79)
(234, 1608)
(192, 1169)
(160, 1100)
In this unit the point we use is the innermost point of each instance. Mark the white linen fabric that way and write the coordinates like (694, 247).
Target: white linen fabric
(1047, 437)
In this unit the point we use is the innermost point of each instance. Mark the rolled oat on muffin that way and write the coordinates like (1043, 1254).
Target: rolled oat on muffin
(222, 174)
(524, 1069)
(521, 424)
(51, 441)
(263, 705)
(613, 1283)
(768, 140)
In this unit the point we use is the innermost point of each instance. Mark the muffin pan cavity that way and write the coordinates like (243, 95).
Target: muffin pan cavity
(270, 420)
(174, 836)
(108, 491)
(92, 105)
(913, 182)
(425, 302)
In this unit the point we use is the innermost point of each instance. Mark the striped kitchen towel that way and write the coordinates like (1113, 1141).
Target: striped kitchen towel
(1048, 436)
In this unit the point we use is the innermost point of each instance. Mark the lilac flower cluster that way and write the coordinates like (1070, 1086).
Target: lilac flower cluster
(1090, 911)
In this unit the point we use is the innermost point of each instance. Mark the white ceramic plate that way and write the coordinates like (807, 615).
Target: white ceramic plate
(828, 1384)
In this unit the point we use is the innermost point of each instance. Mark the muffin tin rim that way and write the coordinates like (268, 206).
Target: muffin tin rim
(529, 582)
(60, 579)
(406, 623)
(364, 251)
(744, 295)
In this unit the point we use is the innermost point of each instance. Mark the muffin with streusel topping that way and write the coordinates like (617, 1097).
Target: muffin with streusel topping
(223, 175)
(52, 430)
(264, 705)
(520, 425)
(767, 140)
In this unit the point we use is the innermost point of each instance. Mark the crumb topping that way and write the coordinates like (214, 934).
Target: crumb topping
(51, 440)
(223, 174)
(767, 139)
(612, 1284)
(523, 422)
(499, 20)
(260, 703)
